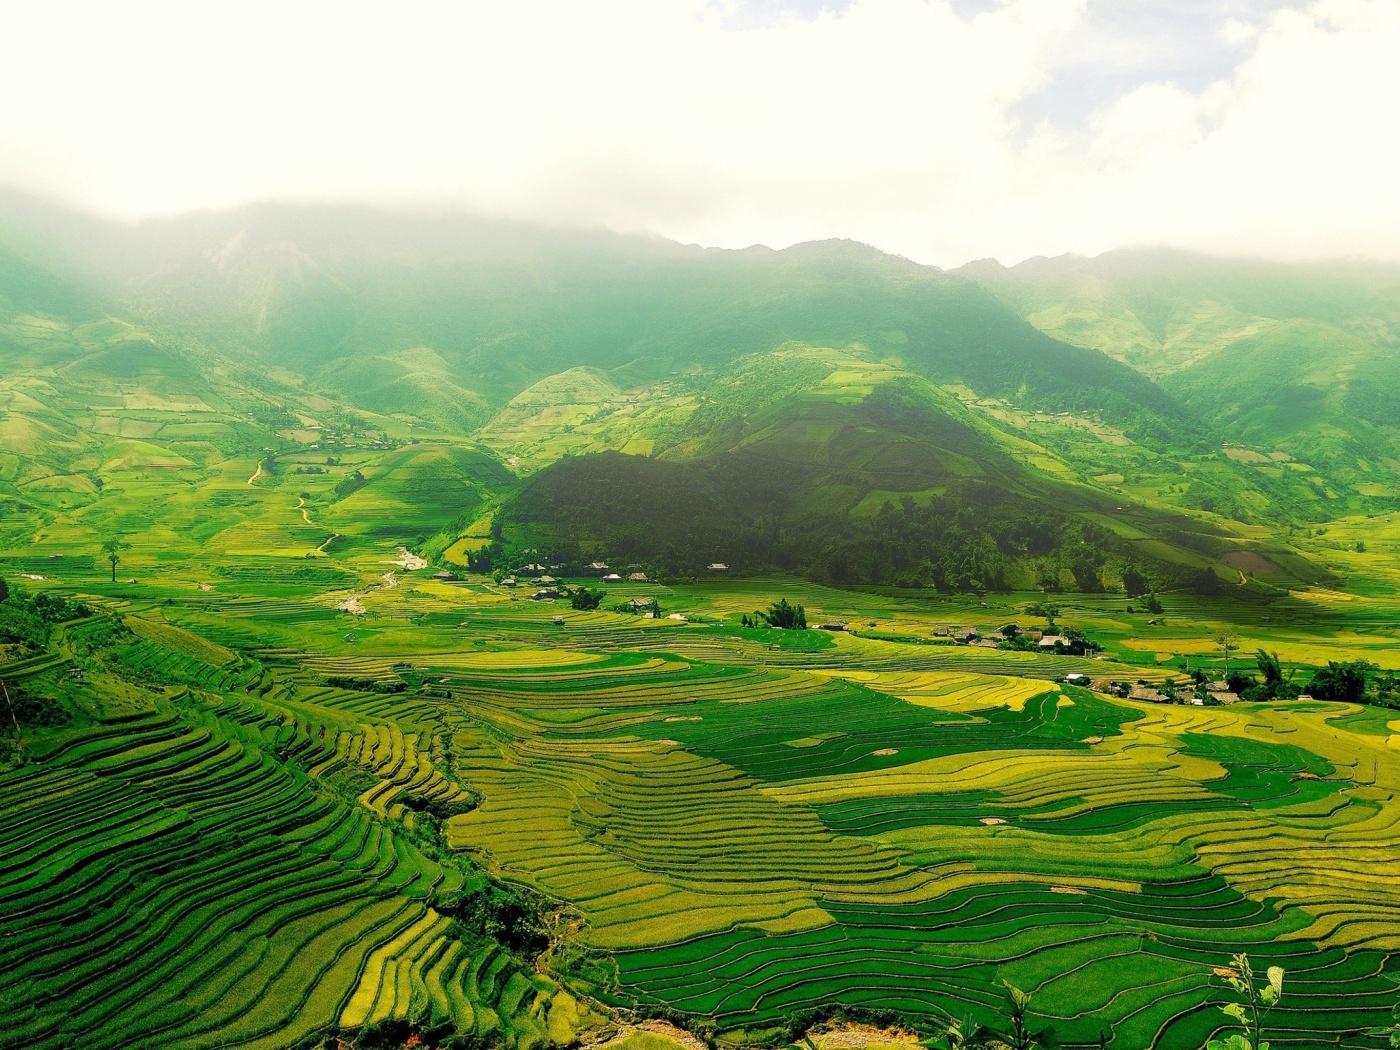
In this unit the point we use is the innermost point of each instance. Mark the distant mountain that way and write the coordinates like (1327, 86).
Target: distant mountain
(826, 408)
(1302, 360)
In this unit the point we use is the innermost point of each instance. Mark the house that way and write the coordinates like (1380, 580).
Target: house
(1145, 692)
(941, 632)
(638, 577)
(637, 605)
(544, 594)
(1053, 641)
(612, 577)
(532, 567)
(597, 566)
(1222, 696)
(966, 635)
(831, 625)
(444, 574)
(546, 580)
(717, 566)
(558, 618)
(1075, 678)
(509, 581)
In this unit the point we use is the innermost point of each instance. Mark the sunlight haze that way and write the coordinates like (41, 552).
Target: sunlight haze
(944, 131)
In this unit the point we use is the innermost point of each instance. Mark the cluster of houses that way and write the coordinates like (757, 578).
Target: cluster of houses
(1209, 695)
(996, 639)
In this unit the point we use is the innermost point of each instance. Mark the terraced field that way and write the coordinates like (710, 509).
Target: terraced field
(253, 824)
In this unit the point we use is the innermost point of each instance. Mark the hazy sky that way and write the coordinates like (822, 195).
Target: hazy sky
(945, 130)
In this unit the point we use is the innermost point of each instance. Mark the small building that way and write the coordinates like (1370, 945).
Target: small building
(717, 566)
(597, 566)
(546, 580)
(1146, 692)
(832, 625)
(545, 594)
(1075, 678)
(1053, 641)
(612, 577)
(941, 632)
(559, 619)
(509, 581)
(637, 605)
(638, 577)
(1222, 696)
(966, 635)
(444, 574)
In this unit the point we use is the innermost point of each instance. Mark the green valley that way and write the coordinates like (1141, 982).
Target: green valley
(389, 645)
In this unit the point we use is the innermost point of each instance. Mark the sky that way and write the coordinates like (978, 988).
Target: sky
(943, 130)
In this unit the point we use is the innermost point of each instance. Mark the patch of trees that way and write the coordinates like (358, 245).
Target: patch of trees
(584, 598)
(782, 614)
(436, 808)
(348, 484)
(365, 685)
(509, 916)
(30, 709)
(27, 619)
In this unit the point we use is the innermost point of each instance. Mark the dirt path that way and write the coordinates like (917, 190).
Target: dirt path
(306, 517)
(256, 474)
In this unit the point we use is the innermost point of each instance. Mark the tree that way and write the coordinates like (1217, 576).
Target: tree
(1253, 1006)
(1229, 643)
(1341, 681)
(585, 599)
(1134, 582)
(1152, 605)
(111, 549)
(4, 590)
(788, 617)
(1276, 684)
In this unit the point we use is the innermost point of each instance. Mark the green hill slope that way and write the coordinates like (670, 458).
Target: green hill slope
(1300, 360)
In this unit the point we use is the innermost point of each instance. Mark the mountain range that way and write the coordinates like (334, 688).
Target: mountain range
(476, 388)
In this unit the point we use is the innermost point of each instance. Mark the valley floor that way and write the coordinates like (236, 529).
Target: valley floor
(262, 800)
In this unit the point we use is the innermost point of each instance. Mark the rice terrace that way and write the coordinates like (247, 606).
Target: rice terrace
(461, 589)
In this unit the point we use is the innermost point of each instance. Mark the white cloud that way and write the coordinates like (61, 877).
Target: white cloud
(893, 121)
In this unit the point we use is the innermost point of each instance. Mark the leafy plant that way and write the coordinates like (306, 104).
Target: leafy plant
(1253, 1006)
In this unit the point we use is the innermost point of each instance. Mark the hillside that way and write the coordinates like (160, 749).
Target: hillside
(1298, 363)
